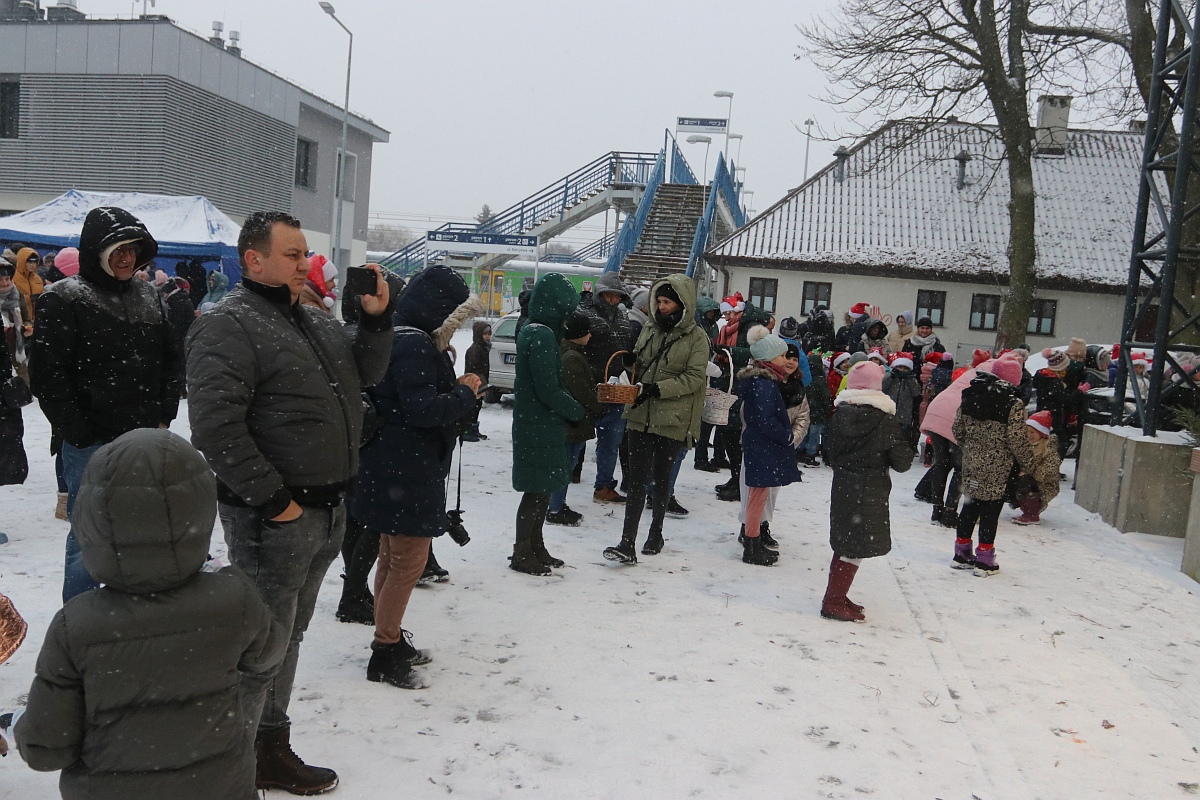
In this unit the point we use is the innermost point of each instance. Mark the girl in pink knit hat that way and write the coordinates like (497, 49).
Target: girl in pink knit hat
(863, 442)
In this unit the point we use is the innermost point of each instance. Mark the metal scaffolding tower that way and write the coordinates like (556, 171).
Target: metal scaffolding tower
(1169, 162)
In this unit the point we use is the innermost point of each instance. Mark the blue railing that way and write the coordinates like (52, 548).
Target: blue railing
(680, 171)
(723, 180)
(631, 231)
(723, 183)
(614, 168)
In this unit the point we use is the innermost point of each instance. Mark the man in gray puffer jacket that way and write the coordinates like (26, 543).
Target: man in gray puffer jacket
(136, 692)
(275, 405)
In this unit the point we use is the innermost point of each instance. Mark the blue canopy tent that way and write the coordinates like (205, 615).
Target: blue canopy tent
(184, 227)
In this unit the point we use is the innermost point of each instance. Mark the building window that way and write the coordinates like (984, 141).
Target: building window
(350, 181)
(931, 304)
(815, 294)
(1041, 319)
(985, 312)
(763, 292)
(10, 110)
(306, 164)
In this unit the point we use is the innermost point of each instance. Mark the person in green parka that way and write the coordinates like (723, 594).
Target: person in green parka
(671, 356)
(541, 409)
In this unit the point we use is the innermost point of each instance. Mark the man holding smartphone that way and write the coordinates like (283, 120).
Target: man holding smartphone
(274, 400)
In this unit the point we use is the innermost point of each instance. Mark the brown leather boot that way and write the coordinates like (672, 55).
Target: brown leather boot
(279, 768)
(834, 605)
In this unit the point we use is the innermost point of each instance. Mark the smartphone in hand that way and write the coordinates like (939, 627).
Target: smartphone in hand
(359, 281)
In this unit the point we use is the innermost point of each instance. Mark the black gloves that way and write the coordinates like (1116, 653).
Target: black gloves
(649, 390)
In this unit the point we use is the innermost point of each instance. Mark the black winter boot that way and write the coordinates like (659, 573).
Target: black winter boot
(411, 654)
(356, 604)
(279, 768)
(764, 533)
(540, 552)
(390, 664)
(433, 571)
(938, 510)
(625, 552)
(753, 552)
(654, 544)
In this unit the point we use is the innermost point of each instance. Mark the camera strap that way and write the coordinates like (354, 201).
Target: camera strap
(458, 499)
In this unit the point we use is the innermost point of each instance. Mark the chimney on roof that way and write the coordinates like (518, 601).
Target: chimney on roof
(234, 48)
(842, 155)
(1054, 112)
(1137, 125)
(962, 158)
(64, 11)
(216, 39)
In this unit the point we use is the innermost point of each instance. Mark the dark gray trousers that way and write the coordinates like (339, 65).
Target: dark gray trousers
(287, 562)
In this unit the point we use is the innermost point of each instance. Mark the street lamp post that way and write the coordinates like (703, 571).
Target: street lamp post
(808, 123)
(339, 177)
(706, 141)
(746, 206)
(737, 159)
(728, 118)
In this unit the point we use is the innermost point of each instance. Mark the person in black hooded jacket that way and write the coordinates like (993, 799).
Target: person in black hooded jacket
(104, 360)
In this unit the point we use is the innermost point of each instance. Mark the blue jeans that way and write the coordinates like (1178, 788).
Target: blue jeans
(76, 579)
(674, 473)
(558, 500)
(610, 429)
(813, 439)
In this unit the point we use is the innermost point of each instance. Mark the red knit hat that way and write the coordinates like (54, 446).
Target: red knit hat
(1041, 422)
(979, 357)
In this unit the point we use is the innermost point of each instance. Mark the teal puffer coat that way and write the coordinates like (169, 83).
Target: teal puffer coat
(543, 405)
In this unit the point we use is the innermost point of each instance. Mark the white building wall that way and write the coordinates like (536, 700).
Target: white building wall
(1094, 317)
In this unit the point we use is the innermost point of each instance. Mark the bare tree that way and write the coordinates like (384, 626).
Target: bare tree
(389, 238)
(977, 60)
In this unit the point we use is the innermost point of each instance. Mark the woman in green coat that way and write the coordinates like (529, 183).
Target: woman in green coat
(541, 408)
(671, 353)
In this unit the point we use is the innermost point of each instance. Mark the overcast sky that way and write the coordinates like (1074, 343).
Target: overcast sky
(488, 102)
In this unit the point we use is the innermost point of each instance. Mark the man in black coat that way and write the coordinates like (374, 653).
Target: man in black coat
(275, 404)
(611, 332)
(103, 360)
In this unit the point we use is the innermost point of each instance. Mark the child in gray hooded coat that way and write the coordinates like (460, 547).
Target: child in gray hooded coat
(136, 689)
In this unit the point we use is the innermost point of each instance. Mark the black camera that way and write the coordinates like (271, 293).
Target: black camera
(456, 530)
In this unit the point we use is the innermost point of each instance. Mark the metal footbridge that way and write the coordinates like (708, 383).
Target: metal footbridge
(670, 217)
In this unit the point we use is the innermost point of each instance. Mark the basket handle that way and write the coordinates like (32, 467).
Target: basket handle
(632, 370)
(729, 355)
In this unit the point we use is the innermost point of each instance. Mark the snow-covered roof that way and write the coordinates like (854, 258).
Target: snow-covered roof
(896, 209)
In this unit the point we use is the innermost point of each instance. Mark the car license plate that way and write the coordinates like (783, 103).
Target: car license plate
(510, 358)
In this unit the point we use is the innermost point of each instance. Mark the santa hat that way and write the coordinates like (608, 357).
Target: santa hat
(877, 355)
(1140, 358)
(858, 309)
(980, 356)
(734, 302)
(1116, 352)
(933, 358)
(901, 360)
(328, 269)
(756, 333)
(1041, 422)
(839, 359)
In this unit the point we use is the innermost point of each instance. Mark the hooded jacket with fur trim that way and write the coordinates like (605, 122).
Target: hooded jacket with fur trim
(103, 359)
(401, 487)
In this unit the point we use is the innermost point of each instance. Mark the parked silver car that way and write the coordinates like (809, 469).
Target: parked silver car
(503, 366)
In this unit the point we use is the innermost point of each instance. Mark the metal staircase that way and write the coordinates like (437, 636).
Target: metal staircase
(665, 246)
(616, 179)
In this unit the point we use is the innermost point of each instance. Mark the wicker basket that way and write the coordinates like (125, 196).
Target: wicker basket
(718, 402)
(610, 393)
(12, 629)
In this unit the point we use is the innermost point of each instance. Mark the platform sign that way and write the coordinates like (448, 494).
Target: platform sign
(701, 124)
(468, 242)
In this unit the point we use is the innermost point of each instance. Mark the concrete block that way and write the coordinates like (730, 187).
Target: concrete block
(1135, 482)
(1191, 544)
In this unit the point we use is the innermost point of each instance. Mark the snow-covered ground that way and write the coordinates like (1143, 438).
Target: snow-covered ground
(1071, 674)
